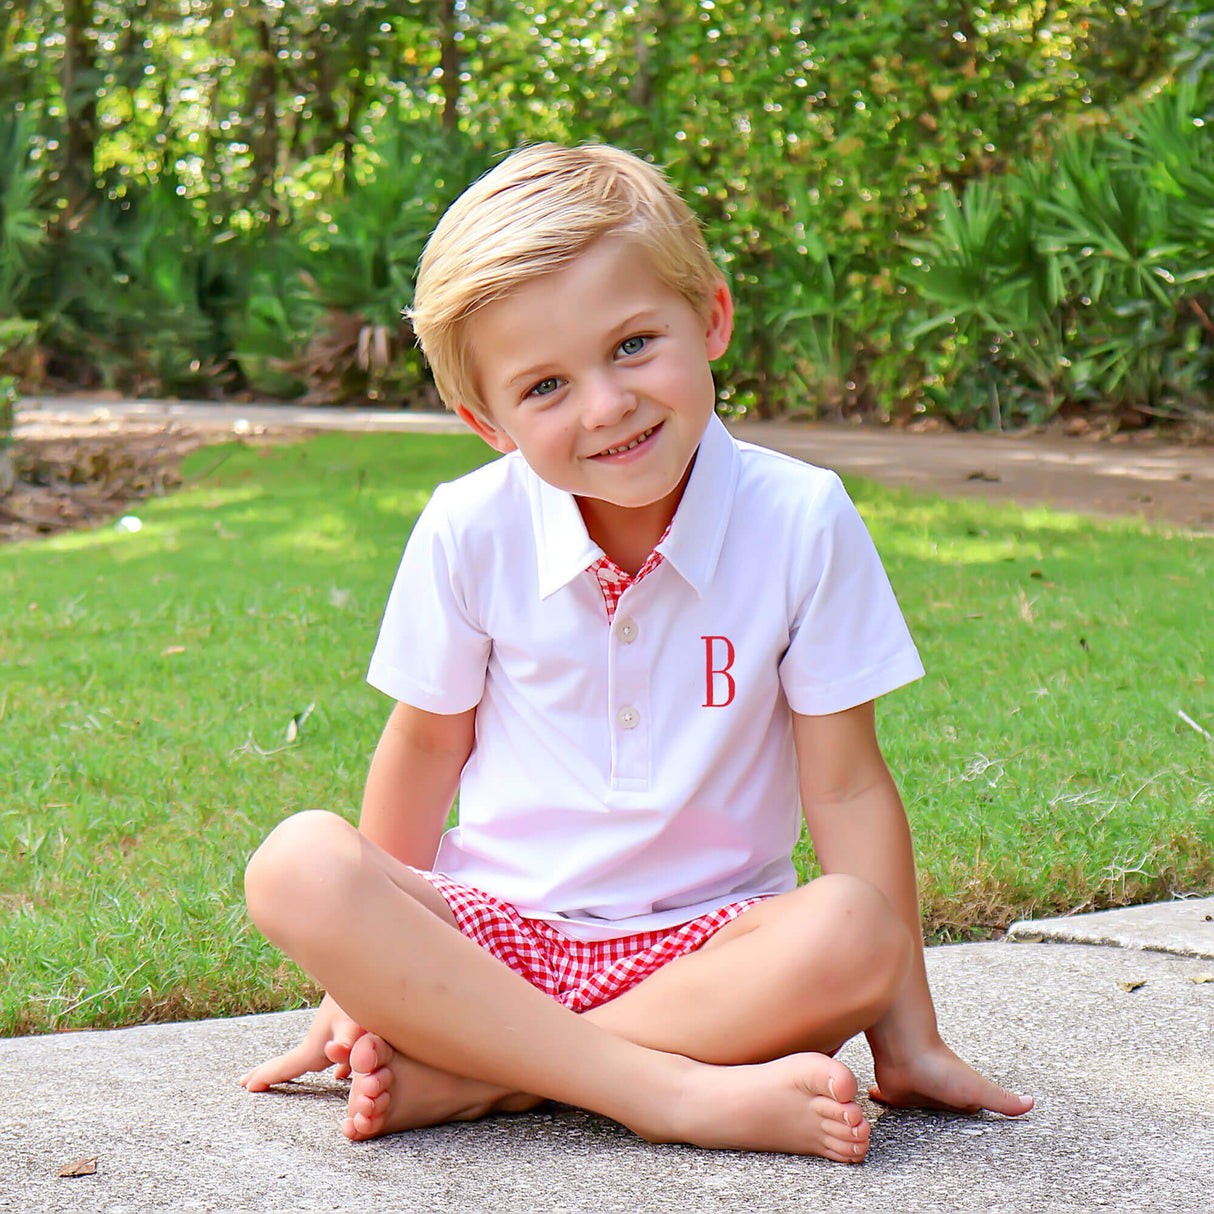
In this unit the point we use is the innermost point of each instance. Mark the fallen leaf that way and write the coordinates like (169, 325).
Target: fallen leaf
(1199, 978)
(1133, 984)
(164, 653)
(81, 1167)
(295, 724)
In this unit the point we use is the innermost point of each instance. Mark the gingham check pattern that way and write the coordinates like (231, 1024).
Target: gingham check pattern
(580, 974)
(613, 581)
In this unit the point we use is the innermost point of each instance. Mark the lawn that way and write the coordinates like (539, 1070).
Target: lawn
(167, 695)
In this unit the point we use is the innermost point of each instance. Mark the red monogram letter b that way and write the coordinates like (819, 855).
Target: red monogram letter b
(715, 672)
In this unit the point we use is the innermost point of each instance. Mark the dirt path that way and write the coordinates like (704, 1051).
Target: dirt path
(1126, 475)
(85, 459)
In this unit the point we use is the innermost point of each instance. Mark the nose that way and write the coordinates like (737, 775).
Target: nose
(608, 400)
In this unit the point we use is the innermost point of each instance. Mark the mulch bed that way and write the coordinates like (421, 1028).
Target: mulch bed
(65, 483)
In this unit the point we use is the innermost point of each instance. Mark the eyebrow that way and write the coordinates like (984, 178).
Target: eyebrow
(531, 375)
(643, 318)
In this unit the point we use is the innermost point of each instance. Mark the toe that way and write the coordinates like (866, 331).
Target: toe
(840, 1132)
(361, 1127)
(376, 1083)
(370, 1053)
(840, 1082)
(846, 1152)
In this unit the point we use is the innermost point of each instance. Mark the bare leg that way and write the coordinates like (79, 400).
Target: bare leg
(319, 891)
(807, 970)
(814, 1093)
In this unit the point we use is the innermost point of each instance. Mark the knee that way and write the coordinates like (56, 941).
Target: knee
(872, 944)
(299, 871)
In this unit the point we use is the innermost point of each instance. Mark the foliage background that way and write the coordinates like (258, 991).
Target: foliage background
(989, 212)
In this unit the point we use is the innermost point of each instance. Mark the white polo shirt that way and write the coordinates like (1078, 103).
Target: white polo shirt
(630, 777)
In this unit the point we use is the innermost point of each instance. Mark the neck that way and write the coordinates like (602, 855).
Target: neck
(628, 534)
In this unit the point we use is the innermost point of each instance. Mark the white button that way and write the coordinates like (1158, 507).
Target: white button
(628, 717)
(626, 630)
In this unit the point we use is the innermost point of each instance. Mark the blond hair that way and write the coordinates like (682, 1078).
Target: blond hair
(531, 215)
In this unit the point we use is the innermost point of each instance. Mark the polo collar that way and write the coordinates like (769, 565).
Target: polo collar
(693, 543)
(564, 549)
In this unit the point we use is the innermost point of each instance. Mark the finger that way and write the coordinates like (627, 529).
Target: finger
(267, 1075)
(281, 1070)
(346, 1032)
(337, 1049)
(1010, 1104)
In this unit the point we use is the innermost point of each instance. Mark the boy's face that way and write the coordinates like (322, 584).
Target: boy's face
(599, 375)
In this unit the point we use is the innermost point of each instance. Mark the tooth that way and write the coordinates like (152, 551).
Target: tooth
(636, 442)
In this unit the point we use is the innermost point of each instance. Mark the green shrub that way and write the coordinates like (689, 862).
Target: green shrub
(23, 211)
(138, 295)
(1084, 279)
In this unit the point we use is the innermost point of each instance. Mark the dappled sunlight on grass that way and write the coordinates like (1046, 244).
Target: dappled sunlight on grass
(964, 532)
(959, 550)
(400, 502)
(159, 518)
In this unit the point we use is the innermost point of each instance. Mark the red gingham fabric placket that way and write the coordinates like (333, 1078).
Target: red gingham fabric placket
(613, 581)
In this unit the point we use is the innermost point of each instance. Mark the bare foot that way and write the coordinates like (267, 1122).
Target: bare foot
(940, 1080)
(390, 1092)
(804, 1104)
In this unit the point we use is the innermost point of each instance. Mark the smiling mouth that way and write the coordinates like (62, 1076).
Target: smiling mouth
(636, 442)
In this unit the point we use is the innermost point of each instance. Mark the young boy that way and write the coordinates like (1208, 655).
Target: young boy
(637, 648)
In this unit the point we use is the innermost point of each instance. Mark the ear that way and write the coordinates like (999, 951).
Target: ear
(499, 440)
(720, 321)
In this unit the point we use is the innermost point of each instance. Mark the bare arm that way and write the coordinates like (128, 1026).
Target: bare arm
(858, 826)
(413, 779)
(410, 787)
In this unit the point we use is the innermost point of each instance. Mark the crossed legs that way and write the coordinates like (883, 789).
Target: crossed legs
(454, 1033)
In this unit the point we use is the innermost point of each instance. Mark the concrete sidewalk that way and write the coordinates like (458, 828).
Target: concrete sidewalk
(1116, 1041)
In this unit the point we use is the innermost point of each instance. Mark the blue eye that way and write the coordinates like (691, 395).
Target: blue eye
(632, 345)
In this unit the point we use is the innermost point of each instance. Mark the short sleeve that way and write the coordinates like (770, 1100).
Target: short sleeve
(431, 651)
(849, 642)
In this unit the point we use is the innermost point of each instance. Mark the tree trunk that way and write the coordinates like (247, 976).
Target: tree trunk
(262, 118)
(451, 63)
(78, 80)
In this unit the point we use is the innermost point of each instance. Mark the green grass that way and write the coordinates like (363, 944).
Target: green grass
(147, 682)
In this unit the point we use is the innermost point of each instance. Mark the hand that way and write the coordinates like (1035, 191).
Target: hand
(937, 1079)
(328, 1042)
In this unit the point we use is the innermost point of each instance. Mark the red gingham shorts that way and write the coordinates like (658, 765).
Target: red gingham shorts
(581, 974)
